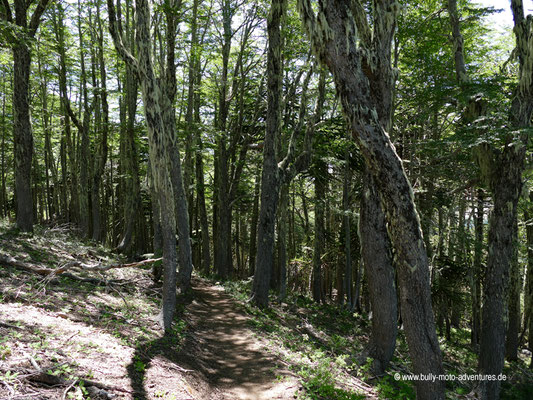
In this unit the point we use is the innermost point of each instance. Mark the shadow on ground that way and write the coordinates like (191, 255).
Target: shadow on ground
(223, 358)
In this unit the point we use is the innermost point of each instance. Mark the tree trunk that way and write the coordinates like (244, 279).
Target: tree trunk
(101, 154)
(513, 328)
(270, 178)
(22, 137)
(528, 295)
(376, 254)
(282, 240)
(346, 226)
(476, 271)
(167, 100)
(502, 172)
(363, 76)
(505, 186)
(253, 225)
(320, 230)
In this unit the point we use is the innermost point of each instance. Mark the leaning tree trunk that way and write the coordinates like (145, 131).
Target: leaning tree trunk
(361, 67)
(376, 254)
(159, 142)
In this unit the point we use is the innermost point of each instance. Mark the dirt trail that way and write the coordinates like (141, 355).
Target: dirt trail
(224, 352)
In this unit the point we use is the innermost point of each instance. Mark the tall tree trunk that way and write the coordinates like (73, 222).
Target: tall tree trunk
(476, 271)
(376, 254)
(78, 208)
(3, 192)
(161, 142)
(282, 240)
(502, 171)
(529, 286)
(346, 226)
(270, 178)
(223, 257)
(169, 119)
(22, 136)
(320, 229)
(253, 225)
(363, 77)
(513, 327)
(101, 156)
(133, 218)
(505, 187)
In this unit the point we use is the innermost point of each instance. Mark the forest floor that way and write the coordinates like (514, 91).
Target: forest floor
(63, 338)
(95, 335)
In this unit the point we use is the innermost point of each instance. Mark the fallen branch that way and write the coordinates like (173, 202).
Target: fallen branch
(52, 380)
(6, 259)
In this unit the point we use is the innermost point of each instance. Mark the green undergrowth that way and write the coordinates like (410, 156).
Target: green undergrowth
(323, 344)
(76, 314)
(316, 342)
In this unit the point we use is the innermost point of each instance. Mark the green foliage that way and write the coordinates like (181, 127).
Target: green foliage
(390, 389)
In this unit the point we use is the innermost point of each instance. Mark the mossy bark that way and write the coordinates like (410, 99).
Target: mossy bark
(376, 254)
(361, 67)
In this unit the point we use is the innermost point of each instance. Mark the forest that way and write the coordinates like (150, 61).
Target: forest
(284, 199)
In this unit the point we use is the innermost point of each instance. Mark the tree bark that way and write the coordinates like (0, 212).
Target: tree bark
(363, 76)
(376, 254)
(22, 133)
(476, 271)
(270, 178)
(161, 142)
(528, 295)
(253, 225)
(320, 229)
(22, 137)
(502, 172)
(513, 328)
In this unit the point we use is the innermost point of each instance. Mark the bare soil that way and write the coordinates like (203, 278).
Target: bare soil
(108, 335)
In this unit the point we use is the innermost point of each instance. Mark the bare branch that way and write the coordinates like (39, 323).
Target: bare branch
(116, 34)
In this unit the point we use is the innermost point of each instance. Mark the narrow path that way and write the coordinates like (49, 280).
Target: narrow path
(227, 354)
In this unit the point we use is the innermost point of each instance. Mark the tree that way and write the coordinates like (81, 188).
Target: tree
(22, 133)
(361, 67)
(270, 175)
(161, 141)
(501, 170)
(376, 254)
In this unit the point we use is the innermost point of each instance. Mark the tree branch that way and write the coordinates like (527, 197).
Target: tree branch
(361, 21)
(116, 34)
(36, 17)
(7, 10)
(286, 162)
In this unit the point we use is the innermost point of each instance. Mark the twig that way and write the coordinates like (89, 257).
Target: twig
(33, 362)
(68, 388)
(71, 336)
(6, 325)
(11, 391)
